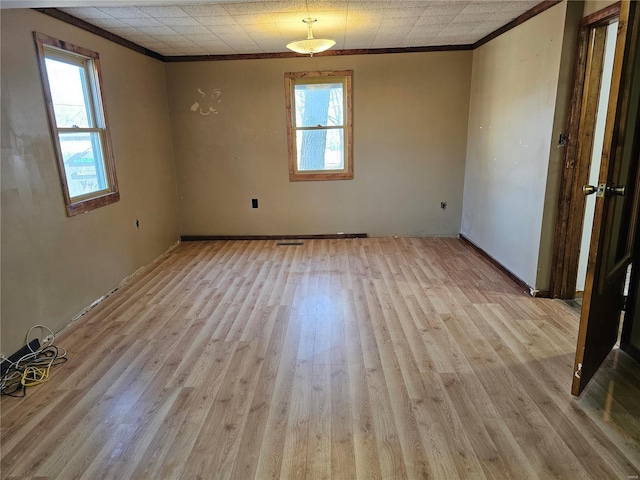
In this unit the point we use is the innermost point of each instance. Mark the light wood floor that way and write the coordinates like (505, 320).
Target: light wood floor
(366, 358)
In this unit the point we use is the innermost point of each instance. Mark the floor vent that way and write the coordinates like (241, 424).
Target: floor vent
(289, 243)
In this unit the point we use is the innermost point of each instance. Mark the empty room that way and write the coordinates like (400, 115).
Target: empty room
(341, 239)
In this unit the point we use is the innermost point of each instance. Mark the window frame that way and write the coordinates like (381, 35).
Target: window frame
(301, 78)
(89, 61)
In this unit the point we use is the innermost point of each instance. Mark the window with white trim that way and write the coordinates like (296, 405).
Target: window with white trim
(71, 84)
(320, 125)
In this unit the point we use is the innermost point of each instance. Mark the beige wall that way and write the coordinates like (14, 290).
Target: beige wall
(410, 127)
(54, 266)
(511, 130)
(592, 6)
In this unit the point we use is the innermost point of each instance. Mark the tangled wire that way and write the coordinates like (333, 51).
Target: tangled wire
(34, 367)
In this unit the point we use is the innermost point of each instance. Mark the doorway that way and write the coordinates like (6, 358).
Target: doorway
(596, 154)
(613, 249)
(583, 151)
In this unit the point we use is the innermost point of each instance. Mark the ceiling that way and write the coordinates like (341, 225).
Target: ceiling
(225, 27)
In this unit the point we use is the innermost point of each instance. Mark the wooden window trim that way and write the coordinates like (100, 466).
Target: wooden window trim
(347, 173)
(84, 204)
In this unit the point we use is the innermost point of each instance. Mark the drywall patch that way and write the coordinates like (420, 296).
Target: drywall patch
(207, 103)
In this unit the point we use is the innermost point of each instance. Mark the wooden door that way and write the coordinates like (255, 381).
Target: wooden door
(616, 211)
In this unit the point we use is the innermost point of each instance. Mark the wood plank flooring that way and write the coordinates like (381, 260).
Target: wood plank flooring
(381, 358)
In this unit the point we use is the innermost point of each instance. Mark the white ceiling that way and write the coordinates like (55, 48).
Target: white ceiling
(179, 27)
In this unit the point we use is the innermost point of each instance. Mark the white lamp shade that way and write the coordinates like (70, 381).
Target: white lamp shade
(311, 45)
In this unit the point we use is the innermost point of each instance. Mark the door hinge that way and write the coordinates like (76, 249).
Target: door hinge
(625, 303)
(578, 372)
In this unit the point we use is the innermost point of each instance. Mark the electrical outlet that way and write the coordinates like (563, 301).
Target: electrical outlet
(137, 224)
(254, 203)
(443, 205)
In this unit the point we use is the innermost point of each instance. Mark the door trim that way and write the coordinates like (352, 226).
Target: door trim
(571, 202)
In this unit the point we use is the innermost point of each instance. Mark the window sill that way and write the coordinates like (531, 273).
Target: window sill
(85, 206)
(307, 177)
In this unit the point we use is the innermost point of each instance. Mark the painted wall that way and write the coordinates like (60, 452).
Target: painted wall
(410, 129)
(514, 90)
(592, 6)
(54, 266)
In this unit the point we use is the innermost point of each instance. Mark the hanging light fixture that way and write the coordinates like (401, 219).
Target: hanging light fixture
(311, 45)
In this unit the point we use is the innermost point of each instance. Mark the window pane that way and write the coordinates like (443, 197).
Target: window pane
(320, 149)
(83, 163)
(319, 104)
(69, 95)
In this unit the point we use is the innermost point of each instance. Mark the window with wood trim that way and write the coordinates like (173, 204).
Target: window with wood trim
(78, 123)
(320, 125)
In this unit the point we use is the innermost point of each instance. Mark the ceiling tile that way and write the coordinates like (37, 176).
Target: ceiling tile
(191, 29)
(368, 5)
(181, 42)
(142, 22)
(435, 20)
(221, 20)
(193, 50)
(253, 26)
(167, 51)
(179, 21)
(253, 19)
(477, 18)
(140, 38)
(108, 23)
(327, 5)
(204, 10)
(247, 8)
(87, 13)
(397, 23)
(122, 31)
(163, 30)
(164, 12)
(444, 8)
(404, 12)
(123, 12)
(226, 29)
(246, 49)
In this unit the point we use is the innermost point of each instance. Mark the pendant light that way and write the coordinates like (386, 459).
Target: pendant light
(311, 45)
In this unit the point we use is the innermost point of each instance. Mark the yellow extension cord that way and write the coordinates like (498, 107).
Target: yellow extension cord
(35, 376)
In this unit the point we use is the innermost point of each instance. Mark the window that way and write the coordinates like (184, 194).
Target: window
(71, 83)
(319, 125)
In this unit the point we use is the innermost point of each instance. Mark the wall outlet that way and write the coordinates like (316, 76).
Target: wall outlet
(254, 203)
(137, 224)
(443, 205)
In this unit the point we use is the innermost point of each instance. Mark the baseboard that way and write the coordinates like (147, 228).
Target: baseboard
(518, 281)
(198, 238)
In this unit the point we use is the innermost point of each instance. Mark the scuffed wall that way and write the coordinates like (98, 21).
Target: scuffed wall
(513, 101)
(410, 127)
(54, 266)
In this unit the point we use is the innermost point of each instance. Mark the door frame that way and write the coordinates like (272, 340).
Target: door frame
(571, 201)
(613, 240)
